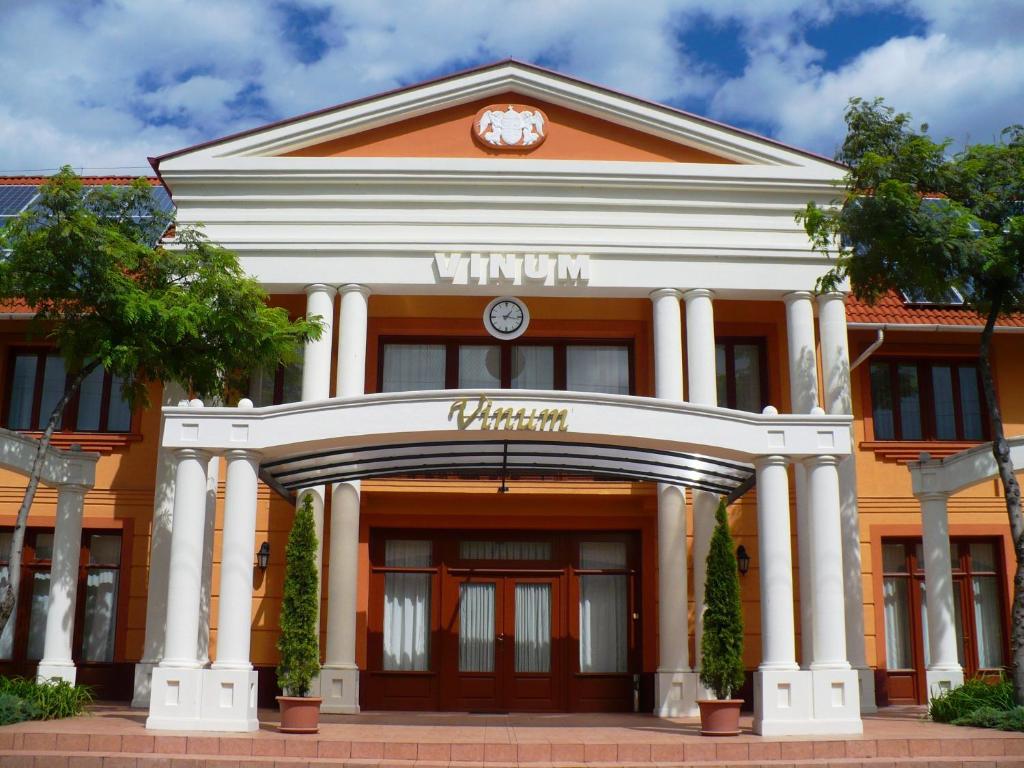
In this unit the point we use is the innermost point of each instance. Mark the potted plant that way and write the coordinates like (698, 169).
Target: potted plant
(721, 646)
(298, 642)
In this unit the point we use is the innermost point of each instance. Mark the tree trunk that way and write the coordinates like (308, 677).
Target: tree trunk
(9, 599)
(1011, 494)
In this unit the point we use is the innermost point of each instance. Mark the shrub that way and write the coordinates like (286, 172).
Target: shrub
(722, 643)
(990, 717)
(15, 710)
(49, 700)
(957, 703)
(300, 651)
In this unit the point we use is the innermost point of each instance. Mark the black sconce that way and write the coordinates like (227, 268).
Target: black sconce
(263, 556)
(742, 560)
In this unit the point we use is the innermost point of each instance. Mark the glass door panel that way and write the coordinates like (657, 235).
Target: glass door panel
(476, 627)
(38, 603)
(533, 627)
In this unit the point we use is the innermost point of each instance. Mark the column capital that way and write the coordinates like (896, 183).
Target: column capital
(319, 288)
(829, 296)
(931, 495)
(793, 296)
(80, 488)
(200, 454)
(825, 460)
(663, 293)
(773, 460)
(242, 454)
(354, 288)
(698, 293)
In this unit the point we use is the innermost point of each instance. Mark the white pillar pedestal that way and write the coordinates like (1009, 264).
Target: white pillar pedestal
(228, 701)
(60, 611)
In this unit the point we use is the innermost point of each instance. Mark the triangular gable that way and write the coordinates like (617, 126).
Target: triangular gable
(607, 125)
(569, 135)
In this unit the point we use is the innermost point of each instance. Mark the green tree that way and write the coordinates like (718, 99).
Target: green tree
(298, 642)
(721, 647)
(89, 264)
(918, 218)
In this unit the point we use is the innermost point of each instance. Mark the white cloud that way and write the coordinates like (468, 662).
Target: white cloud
(106, 83)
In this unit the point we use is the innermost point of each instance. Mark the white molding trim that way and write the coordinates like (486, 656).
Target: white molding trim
(17, 452)
(961, 470)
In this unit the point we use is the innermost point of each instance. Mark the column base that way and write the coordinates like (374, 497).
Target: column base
(194, 699)
(143, 684)
(175, 699)
(229, 700)
(339, 689)
(868, 702)
(675, 693)
(782, 703)
(937, 680)
(61, 670)
(836, 696)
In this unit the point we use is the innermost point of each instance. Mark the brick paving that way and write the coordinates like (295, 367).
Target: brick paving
(115, 737)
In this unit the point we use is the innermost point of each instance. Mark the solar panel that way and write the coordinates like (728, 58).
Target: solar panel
(14, 198)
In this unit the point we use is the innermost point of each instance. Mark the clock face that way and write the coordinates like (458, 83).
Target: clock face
(506, 318)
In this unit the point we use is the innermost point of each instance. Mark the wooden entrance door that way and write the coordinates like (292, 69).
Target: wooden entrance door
(502, 654)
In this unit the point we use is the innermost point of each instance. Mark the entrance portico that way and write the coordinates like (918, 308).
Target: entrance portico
(681, 444)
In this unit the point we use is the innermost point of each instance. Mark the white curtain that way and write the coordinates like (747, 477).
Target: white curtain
(533, 367)
(100, 615)
(602, 555)
(988, 622)
(603, 638)
(594, 368)
(505, 550)
(479, 366)
(897, 623)
(407, 606)
(410, 367)
(476, 628)
(37, 616)
(533, 627)
(7, 637)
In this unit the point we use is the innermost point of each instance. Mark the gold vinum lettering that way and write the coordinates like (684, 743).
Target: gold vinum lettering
(486, 415)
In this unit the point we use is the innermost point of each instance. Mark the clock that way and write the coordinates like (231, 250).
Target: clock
(506, 318)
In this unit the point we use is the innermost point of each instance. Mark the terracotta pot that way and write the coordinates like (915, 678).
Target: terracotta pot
(299, 714)
(720, 717)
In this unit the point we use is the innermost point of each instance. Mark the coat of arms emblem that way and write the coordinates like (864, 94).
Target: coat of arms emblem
(511, 126)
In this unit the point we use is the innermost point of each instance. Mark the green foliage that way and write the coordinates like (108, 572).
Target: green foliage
(971, 697)
(15, 710)
(722, 642)
(915, 218)
(49, 700)
(90, 264)
(990, 717)
(298, 643)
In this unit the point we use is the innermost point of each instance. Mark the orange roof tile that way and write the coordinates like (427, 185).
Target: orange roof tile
(893, 310)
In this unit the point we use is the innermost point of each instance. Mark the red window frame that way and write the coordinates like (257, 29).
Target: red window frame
(730, 343)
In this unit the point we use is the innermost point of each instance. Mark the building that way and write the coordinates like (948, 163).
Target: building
(622, 297)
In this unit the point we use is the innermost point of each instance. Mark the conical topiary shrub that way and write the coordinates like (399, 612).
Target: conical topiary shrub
(722, 644)
(298, 643)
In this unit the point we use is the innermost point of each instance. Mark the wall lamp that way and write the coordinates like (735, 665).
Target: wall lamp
(742, 560)
(263, 556)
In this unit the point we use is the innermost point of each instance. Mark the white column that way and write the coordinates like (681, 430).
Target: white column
(177, 681)
(316, 385)
(229, 686)
(782, 692)
(675, 682)
(209, 532)
(838, 399)
(835, 685)
(803, 395)
(159, 558)
(702, 388)
(339, 679)
(60, 611)
(944, 670)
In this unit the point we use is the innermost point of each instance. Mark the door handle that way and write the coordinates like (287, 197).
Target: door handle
(501, 638)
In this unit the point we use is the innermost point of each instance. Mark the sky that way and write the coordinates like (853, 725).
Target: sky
(103, 84)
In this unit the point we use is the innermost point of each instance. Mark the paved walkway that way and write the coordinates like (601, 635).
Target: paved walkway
(116, 736)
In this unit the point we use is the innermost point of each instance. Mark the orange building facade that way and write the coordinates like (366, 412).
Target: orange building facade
(405, 203)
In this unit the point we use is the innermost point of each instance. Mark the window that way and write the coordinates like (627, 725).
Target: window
(36, 380)
(475, 364)
(99, 582)
(283, 384)
(604, 607)
(407, 605)
(926, 400)
(741, 369)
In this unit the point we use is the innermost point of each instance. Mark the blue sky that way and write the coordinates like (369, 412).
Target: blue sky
(102, 84)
